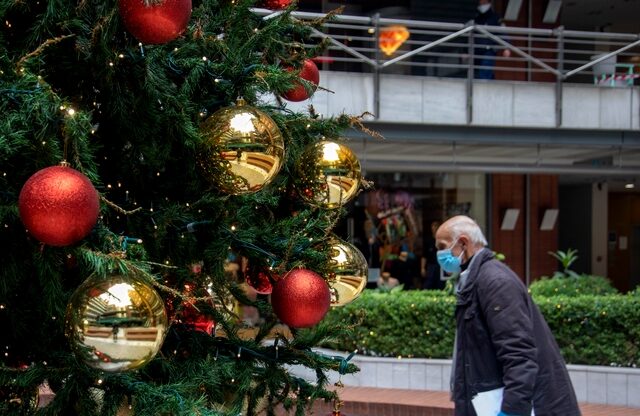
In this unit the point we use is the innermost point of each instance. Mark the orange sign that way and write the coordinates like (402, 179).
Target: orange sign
(391, 38)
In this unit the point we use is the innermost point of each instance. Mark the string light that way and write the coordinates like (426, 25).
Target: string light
(110, 63)
(204, 58)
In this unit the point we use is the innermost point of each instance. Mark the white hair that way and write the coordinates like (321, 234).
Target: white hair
(464, 225)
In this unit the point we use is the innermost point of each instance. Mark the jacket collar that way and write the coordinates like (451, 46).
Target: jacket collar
(479, 258)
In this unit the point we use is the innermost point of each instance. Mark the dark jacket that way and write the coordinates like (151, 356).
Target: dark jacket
(488, 18)
(503, 340)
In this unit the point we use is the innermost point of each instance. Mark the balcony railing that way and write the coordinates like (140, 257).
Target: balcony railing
(453, 50)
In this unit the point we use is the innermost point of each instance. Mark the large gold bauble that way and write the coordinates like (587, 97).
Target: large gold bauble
(116, 323)
(243, 149)
(348, 272)
(328, 174)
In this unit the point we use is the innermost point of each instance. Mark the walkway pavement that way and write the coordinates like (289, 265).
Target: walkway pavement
(368, 401)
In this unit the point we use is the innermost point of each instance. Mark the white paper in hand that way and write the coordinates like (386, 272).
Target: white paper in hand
(488, 403)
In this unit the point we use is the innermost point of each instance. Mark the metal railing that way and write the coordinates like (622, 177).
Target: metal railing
(471, 51)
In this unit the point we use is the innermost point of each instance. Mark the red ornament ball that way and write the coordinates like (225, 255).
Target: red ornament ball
(155, 21)
(191, 316)
(59, 205)
(308, 72)
(260, 279)
(301, 298)
(276, 4)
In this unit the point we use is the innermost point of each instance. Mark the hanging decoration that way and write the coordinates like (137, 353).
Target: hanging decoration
(328, 174)
(301, 298)
(299, 92)
(117, 323)
(276, 4)
(348, 272)
(59, 205)
(243, 149)
(191, 314)
(155, 21)
(260, 278)
(391, 38)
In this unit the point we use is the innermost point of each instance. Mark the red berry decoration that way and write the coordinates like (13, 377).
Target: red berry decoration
(308, 72)
(276, 4)
(155, 21)
(59, 205)
(301, 298)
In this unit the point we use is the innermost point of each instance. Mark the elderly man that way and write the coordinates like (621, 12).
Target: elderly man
(504, 349)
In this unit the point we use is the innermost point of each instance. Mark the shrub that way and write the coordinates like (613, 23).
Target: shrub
(572, 286)
(406, 323)
(593, 330)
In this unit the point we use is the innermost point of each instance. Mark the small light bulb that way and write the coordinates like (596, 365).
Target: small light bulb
(204, 58)
(110, 63)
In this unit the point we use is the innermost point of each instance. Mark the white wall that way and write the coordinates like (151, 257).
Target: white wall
(431, 100)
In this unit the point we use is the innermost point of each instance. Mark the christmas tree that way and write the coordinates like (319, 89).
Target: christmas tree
(166, 222)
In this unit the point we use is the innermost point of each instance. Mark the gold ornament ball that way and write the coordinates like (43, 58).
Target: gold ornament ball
(243, 149)
(348, 272)
(328, 174)
(117, 323)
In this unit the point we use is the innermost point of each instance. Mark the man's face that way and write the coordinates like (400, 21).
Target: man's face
(443, 238)
(481, 2)
(444, 241)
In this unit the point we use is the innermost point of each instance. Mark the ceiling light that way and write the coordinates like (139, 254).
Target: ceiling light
(630, 186)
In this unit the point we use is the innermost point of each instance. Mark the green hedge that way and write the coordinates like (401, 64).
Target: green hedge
(594, 330)
(572, 286)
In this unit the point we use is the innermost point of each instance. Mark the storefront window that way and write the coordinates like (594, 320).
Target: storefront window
(392, 223)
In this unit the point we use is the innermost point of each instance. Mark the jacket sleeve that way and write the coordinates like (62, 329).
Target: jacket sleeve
(506, 306)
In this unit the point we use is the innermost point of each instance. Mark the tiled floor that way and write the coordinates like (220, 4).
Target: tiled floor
(366, 401)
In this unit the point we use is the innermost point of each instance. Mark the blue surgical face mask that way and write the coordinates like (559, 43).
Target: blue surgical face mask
(448, 262)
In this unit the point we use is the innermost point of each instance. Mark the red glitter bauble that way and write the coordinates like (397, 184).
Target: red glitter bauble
(155, 22)
(308, 72)
(301, 298)
(59, 205)
(275, 4)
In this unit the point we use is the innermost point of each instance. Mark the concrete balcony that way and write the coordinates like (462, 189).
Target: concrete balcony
(444, 101)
